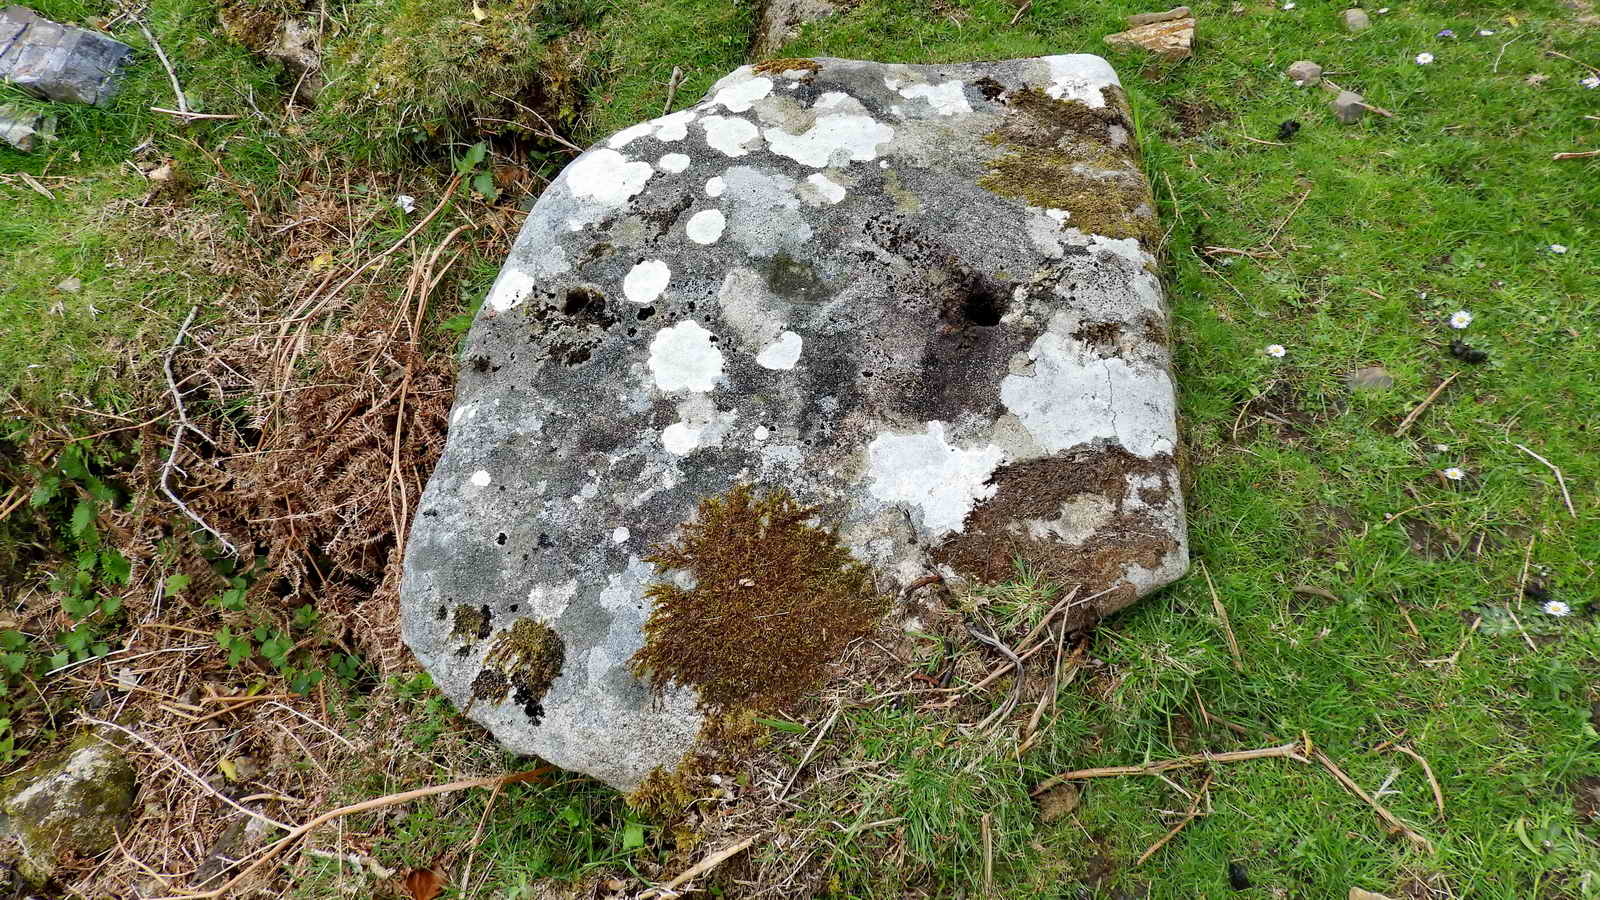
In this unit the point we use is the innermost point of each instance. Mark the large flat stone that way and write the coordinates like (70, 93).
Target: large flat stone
(920, 298)
(59, 62)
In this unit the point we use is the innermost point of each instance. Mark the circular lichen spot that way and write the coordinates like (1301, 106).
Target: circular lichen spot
(774, 600)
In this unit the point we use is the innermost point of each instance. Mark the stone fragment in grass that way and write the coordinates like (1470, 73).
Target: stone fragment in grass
(1349, 107)
(1356, 20)
(68, 805)
(1305, 73)
(1151, 18)
(1360, 894)
(779, 21)
(1369, 378)
(24, 129)
(59, 62)
(926, 335)
(1170, 40)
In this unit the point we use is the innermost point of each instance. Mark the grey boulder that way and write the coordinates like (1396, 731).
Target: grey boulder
(59, 62)
(72, 803)
(919, 298)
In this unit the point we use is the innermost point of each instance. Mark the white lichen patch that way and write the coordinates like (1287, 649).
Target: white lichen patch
(828, 191)
(946, 98)
(630, 134)
(715, 186)
(680, 438)
(620, 535)
(1080, 77)
(1078, 518)
(510, 289)
(836, 139)
(705, 226)
(781, 354)
(1073, 397)
(739, 96)
(684, 358)
(729, 136)
(607, 177)
(674, 126)
(480, 478)
(942, 481)
(673, 162)
(645, 281)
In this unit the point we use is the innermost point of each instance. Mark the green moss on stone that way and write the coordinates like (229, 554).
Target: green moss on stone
(524, 660)
(775, 600)
(70, 803)
(1098, 205)
(724, 742)
(468, 624)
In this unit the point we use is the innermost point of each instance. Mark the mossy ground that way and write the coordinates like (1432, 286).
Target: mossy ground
(1454, 203)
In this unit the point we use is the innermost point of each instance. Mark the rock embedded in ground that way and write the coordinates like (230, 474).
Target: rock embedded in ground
(71, 804)
(921, 300)
(1150, 18)
(24, 129)
(1348, 107)
(1369, 378)
(1171, 40)
(779, 21)
(1356, 19)
(59, 62)
(1304, 72)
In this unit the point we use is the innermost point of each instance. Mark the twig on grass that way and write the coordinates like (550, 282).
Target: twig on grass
(1021, 11)
(1438, 795)
(191, 116)
(177, 89)
(1222, 614)
(183, 424)
(1451, 659)
(1194, 810)
(1279, 230)
(1560, 479)
(700, 868)
(1495, 69)
(988, 854)
(1577, 154)
(672, 88)
(1285, 751)
(1388, 817)
(1592, 69)
(822, 733)
(1411, 418)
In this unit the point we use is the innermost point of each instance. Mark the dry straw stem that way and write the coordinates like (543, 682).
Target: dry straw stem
(1409, 420)
(1438, 795)
(988, 854)
(364, 806)
(1560, 479)
(1222, 614)
(1285, 751)
(695, 871)
(1577, 154)
(1388, 817)
(1194, 810)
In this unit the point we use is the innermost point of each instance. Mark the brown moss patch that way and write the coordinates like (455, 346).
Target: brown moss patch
(523, 662)
(1094, 480)
(775, 600)
(1039, 120)
(470, 624)
(726, 741)
(781, 65)
(1051, 179)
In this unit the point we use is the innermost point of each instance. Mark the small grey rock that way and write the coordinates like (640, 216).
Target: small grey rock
(1304, 72)
(70, 285)
(1370, 378)
(74, 802)
(1173, 14)
(23, 129)
(1356, 19)
(59, 62)
(780, 20)
(1349, 107)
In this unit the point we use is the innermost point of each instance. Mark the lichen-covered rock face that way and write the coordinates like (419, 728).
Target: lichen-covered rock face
(71, 804)
(917, 298)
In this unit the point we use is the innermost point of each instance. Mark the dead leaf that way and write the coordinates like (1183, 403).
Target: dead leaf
(1359, 894)
(424, 884)
(1058, 802)
(322, 261)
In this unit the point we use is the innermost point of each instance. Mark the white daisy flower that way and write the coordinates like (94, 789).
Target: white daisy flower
(1454, 473)
(406, 202)
(1441, 448)
(1556, 608)
(1592, 82)
(1276, 351)
(1460, 319)
(1558, 248)
(1424, 58)
(1289, 5)
(1485, 32)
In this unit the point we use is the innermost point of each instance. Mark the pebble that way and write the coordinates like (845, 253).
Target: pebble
(1349, 107)
(1370, 378)
(1304, 72)
(1356, 19)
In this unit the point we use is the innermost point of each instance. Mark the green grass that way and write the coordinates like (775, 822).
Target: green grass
(1452, 204)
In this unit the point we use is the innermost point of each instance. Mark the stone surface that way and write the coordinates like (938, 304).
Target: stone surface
(779, 21)
(59, 62)
(1177, 12)
(920, 298)
(1304, 72)
(1356, 19)
(1370, 378)
(1169, 40)
(23, 129)
(1349, 107)
(72, 803)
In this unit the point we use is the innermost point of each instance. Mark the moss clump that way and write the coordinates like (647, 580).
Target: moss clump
(774, 601)
(523, 662)
(779, 66)
(725, 740)
(1105, 206)
(70, 804)
(470, 624)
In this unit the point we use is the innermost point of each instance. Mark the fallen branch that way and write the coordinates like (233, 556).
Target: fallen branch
(178, 429)
(1285, 751)
(1560, 479)
(177, 89)
(1194, 810)
(1438, 795)
(673, 80)
(378, 803)
(191, 115)
(700, 868)
(1577, 154)
(1384, 814)
(1409, 420)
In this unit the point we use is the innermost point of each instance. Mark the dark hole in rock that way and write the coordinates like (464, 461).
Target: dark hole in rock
(581, 299)
(646, 312)
(500, 539)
